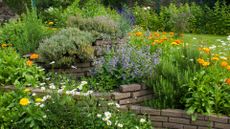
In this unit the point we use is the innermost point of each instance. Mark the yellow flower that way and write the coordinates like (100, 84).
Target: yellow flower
(27, 90)
(50, 23)
(205, 64)
(38, 100)
(29, 63)
(34, 56)
(174, 43)
(224, 64)
(200, 60)
(4, 45)
(215, 58)
(171, 33)
(24, 101)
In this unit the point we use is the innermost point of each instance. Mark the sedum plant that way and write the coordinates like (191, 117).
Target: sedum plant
(67, 47)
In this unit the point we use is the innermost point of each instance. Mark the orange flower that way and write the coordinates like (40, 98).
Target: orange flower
(215, 58)
(156, 41)
(171, 33)
(178, 41)
(153, 43)
(200, 60)
(205, 64)
(228, 67)
(206, 50)
(34, 56)
(227, 81)
(138, 33)
(156, 34)
(224, 64)
(164, 33)
(29, 63)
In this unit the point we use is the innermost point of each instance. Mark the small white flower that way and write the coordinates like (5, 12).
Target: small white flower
(52, 86)
(108, 122)
(46, 97)
(84, 82)
(48, 78)
(60, 91)
(73, 67)
(194, 38)
(110, 104)
(120, 125)
(107, 114)
(42, 105)
(37, 104)
(191, 60)
(142, 120)
(99, 115)
(34, 94)
(136, 127)
(52, 62)
(117, 105)
(43, 88)
(148, 7)
(44, 116)
(228, 38)
(145, 8)
(105, 119)
(68, 92)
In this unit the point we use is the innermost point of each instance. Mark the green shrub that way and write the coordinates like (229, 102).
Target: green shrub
(25, 33)
(67, 47)
(15, 71)
(100, 26)
(172, 74)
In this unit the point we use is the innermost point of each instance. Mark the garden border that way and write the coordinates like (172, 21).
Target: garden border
(128, 96)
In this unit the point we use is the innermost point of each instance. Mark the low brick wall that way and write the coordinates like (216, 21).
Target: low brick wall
(129, 96)
(178, 119)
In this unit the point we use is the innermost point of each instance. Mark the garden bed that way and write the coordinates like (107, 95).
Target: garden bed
(130, 96)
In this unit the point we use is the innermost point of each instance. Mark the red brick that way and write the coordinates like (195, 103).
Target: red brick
(131, 87)
(172, 112)
(202, 123)
(106, 96)
(150, 111)
(221, 119)
(157, 124)
(190, 127)
(179, 120)
(83, 65)
(136, 109)
(159, 118)
(221, 125)
(172, 125)
(141, 93)
(118, 95)
(133, 100)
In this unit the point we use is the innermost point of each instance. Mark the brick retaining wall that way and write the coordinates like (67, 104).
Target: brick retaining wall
(129, 96)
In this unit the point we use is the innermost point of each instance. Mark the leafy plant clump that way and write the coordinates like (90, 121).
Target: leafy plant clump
(17, 71)
(100, 26)
(25, 33)
(67, 47)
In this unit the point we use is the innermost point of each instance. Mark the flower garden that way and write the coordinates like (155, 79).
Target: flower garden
(92, 65)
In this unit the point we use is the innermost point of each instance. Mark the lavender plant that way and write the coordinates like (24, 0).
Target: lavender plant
(127, 65)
